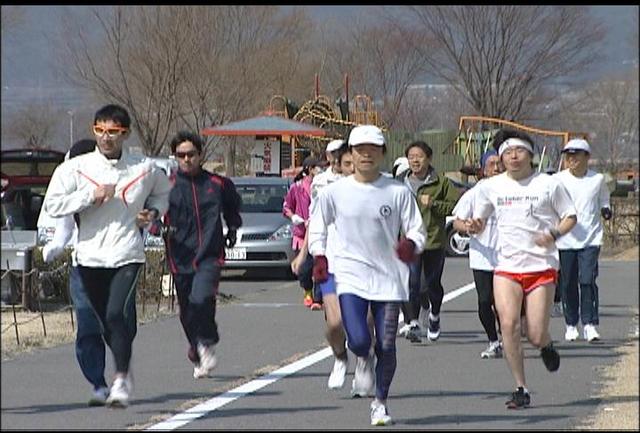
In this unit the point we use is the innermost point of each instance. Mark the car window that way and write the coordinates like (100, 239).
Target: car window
(262, 198)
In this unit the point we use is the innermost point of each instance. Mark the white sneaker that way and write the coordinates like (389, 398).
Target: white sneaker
(364, 381)
(119, 393)
(402, 332)
(336, 378)
(493, 350)
(590, 333)
(433, 327)
(571, 334)
(208, 358)
(99, 396)
(200, 372)
(379, 415)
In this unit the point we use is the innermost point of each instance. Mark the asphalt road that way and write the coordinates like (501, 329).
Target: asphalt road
(442, 385)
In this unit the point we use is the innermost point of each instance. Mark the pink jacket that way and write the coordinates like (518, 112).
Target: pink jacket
(297, 201)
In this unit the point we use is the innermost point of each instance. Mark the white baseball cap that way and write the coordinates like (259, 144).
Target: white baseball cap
(366, 134)
(334, 145)
(577, 144)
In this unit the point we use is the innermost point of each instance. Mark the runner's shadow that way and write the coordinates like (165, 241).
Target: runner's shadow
(518, 417)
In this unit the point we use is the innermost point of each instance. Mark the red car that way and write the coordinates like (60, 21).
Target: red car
(25, 177)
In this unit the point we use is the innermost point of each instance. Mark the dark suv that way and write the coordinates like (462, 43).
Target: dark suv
(25, 177)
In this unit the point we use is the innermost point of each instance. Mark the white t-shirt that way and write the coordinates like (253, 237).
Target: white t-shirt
(524, 209)
(320, 181)
(482, 246)
(368, 219)
(589, 194)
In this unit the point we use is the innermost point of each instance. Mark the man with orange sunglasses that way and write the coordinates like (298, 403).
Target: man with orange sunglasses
(113, 193)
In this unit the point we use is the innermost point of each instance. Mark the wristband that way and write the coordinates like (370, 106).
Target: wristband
(555, 233)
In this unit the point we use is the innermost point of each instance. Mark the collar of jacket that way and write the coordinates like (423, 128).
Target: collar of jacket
(185, 175)
(432, 176)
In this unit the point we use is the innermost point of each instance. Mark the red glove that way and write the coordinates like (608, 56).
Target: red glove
(320, 269)
(406, 250)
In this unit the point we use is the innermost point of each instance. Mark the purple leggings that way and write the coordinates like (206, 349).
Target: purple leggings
(354, 311)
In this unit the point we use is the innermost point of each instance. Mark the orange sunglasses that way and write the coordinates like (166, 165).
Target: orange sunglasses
(112, 132)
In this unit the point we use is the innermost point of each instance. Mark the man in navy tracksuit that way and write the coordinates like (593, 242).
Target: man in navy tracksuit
(195, 245)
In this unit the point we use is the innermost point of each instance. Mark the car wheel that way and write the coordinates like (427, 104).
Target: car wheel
(457, 244)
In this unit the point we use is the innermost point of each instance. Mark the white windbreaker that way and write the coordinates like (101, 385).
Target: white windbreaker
(108, 235)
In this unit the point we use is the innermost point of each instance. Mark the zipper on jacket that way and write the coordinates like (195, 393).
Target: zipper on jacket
(195, 205)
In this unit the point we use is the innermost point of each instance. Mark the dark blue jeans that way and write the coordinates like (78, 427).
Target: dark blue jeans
(579, 268)
(90, 350)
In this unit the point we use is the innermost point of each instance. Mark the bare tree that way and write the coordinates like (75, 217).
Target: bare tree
(178, 67)
(34, 126)
(497, 56)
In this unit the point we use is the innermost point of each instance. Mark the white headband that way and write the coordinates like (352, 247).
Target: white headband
(514, 142)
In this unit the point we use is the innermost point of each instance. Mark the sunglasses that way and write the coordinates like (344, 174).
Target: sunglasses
(183, 155)
(112, 132)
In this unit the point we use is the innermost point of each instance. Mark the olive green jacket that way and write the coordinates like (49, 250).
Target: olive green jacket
(444, 197)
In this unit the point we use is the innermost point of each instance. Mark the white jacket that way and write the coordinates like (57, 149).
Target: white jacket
(108, 235)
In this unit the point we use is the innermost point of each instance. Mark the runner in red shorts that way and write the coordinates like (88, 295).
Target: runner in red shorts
(532, 210)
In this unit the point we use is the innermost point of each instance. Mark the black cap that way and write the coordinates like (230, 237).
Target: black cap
(310, 161)
(85, 145)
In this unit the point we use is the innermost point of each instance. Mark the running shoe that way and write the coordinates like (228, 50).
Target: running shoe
(363, 384)
(119, 393)
(519, 399)
(402, 332)
(315, 306)
(415, 332)
(550, 357)
(571, 333)
(208, 358)
(433, 330)
(99, 396)
(199, 372)
(308, 298)
(338, 374)
(493, 350)
(379, 414)
(590, 333)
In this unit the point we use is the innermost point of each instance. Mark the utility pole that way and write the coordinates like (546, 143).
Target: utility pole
(70, 113)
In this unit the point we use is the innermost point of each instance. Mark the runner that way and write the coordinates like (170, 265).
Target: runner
(372, 273)
(89, 344)
(296, 208)
(195, 245)
(532, 211)
(482, 254)
(580, 249)
(113, 193)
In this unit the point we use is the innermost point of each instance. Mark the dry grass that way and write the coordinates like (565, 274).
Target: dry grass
(58, 325)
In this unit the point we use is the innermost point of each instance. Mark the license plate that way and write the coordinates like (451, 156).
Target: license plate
(235, 253)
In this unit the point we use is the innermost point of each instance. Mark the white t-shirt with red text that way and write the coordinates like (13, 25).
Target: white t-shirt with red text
(524, 209)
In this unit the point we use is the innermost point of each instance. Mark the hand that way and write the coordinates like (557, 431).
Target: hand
(320, 269)
(474, 226)
(544, 239)
(606, 213)
(231, 238)
(103, 193)
(406, 250)
(425, 200)
(156, 228)
(297, 219)
(145, 217)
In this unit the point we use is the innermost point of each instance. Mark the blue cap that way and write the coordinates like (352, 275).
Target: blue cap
(486, 155)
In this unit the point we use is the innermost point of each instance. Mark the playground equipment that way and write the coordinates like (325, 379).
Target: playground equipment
(476, 133)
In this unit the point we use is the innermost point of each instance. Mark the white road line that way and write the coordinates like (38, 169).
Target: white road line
(202, 409)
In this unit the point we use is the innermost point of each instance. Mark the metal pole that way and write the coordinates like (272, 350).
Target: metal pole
(70, 113)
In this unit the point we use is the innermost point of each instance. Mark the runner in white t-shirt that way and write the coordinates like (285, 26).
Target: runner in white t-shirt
(532, 210)
(580, 248)
(369, 262)
(482, 253)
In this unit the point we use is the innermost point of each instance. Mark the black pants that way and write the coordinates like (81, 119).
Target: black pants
(486, 304)
(112, 293)
(197, 299)
(425, 285)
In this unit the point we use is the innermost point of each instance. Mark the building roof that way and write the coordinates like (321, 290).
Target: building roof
(265, 125)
